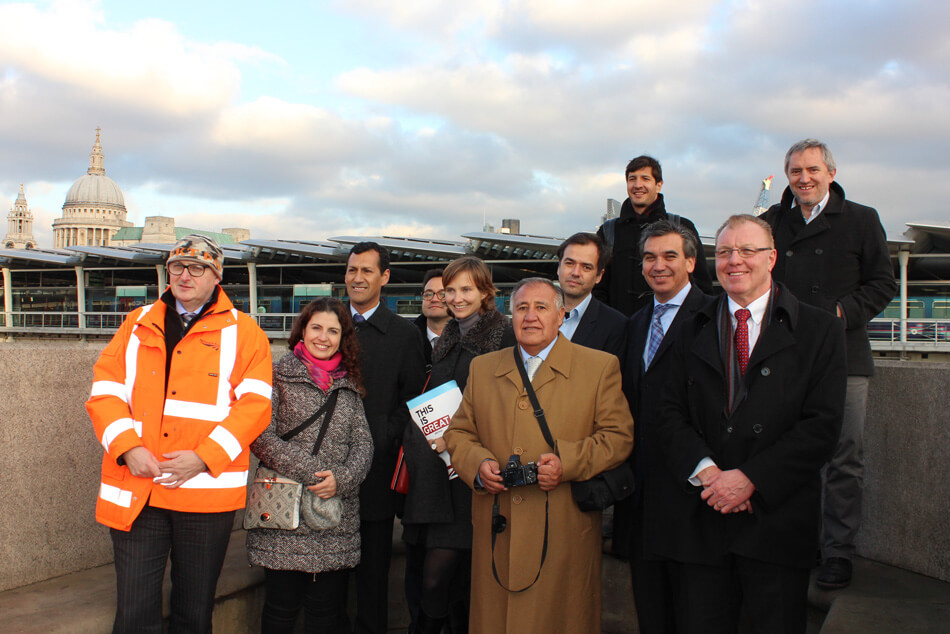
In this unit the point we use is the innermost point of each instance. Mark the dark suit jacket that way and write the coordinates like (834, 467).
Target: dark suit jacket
(656, 487)
(782, 430)
(602, 328)
(393, 370)
(840, 257)
(421, 323)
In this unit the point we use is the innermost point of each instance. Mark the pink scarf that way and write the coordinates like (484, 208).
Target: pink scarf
(321, 371)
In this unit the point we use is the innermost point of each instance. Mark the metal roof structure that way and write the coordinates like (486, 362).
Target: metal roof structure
(497, 247)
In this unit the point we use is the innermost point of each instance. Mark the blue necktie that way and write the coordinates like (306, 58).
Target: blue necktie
(656, 331)
(358, 319)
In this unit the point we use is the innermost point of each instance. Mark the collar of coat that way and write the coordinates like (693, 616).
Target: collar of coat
(292, 370)
(656, 211)
(776, 335)
(835, 200)
(380, 319)
(785, 306)
(558, 363)
(485, 336)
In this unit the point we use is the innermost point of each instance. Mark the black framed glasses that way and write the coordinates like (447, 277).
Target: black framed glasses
(194, 270)
(744, 252)
(428, 295)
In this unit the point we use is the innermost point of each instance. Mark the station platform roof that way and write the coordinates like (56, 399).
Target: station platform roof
(918, 239)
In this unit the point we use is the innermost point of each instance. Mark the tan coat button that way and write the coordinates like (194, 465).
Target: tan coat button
(517, 499)
(523, 404)
(519, 450)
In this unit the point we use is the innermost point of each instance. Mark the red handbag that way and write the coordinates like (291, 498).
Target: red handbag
(400, 483)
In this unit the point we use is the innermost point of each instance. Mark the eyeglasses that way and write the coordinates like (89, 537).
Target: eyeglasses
(744, 252)
(194, 270)
(428, 295)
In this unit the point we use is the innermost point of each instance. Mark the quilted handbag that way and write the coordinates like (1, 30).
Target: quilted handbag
(273, 501)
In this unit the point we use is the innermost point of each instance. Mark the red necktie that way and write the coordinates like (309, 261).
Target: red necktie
(742, 339)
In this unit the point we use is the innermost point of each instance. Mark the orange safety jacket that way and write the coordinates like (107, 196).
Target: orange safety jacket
(216, 403)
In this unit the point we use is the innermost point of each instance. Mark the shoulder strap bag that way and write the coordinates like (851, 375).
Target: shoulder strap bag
(605, 488)
(276, 502)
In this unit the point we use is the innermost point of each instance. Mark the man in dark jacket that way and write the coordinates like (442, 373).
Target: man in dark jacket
(669, 256)
(832, 253)
(393, 371)
(588, 321)
(750, 414)
(622, 287)
(435, 312)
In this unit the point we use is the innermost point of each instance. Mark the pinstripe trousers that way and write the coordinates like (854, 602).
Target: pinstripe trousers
(197, 543)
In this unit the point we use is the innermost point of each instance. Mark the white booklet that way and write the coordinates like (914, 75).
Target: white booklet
(432, 411)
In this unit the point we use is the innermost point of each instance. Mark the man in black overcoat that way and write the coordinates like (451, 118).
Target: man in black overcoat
(832, 253)
(751, 412)
(622, 287)
(393, 369)
(668, 253)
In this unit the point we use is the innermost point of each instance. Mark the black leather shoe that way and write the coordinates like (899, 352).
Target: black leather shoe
(835, 573)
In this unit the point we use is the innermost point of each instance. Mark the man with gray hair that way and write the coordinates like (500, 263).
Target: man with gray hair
(535, 555)
(750, 413)
(668, 255)
(832, 253)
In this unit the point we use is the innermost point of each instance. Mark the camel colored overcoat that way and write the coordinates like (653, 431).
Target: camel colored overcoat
(580, 392)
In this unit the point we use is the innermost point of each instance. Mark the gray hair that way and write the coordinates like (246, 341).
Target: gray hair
(733, 221)
(806, 144)
(665, 227)
(530, 281)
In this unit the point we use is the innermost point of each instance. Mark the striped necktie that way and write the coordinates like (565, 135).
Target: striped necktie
(656, 331)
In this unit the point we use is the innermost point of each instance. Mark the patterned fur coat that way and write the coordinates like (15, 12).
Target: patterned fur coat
(347, 451)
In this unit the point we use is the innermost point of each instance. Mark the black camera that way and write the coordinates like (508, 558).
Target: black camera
(516, 474)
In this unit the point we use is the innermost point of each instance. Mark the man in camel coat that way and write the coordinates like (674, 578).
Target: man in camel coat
(587, 413)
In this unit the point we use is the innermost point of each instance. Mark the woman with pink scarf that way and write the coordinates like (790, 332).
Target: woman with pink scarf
(308, 567)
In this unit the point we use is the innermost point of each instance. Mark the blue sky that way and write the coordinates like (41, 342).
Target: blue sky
(314, 119)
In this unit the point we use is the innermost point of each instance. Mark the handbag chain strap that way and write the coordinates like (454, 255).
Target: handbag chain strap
(328, 406)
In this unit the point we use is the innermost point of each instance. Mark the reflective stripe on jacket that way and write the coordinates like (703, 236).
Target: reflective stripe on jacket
(216, 403)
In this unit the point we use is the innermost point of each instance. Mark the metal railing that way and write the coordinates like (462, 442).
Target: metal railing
(884, 333)
(920, 332)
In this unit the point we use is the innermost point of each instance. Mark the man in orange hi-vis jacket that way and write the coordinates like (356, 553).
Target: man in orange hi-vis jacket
(179, 393)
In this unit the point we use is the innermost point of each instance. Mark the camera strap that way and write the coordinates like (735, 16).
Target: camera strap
(538, 412)
(498, 525)
(498, 520)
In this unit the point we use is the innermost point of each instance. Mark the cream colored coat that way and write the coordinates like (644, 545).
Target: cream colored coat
(579, 389)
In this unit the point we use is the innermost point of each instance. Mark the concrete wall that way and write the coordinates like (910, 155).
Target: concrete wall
(49, 462)
(49, 465)
(907, 468)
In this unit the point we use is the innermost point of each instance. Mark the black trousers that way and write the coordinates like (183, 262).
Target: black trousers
(774, 597)
(655, 583)
(372, 577)
(197, 543)
(286, 591)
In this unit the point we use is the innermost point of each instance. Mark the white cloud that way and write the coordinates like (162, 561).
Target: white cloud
(149, 67)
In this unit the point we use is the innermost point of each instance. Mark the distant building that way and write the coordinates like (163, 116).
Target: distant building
(162, 230)
(613, 210)
(94, 214)
(511, 225)
(94, 209)
(20, 225)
